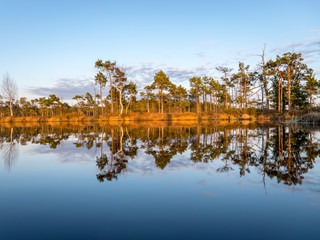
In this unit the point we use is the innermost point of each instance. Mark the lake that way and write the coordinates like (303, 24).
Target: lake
(158, 180)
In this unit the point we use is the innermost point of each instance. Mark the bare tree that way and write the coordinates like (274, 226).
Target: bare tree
(9, 90)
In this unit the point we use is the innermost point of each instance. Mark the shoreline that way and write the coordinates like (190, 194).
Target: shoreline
(153, 117)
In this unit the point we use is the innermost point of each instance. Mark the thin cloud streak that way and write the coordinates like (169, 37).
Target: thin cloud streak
(208, 43)
(200, 54)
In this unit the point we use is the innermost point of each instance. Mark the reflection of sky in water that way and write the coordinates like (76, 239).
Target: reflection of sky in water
(54, 194)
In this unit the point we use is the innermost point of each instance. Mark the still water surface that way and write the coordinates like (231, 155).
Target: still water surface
(160, 180)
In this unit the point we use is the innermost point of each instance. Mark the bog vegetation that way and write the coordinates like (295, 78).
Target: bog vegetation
(284, 85)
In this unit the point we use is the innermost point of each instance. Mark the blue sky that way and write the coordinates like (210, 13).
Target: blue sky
(51, 46)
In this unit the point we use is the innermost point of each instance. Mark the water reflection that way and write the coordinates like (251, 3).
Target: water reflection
(283, 152)
(9, 150)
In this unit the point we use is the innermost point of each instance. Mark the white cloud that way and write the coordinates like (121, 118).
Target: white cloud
(64, 88)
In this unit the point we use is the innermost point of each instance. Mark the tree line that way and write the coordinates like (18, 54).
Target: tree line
(282, 84)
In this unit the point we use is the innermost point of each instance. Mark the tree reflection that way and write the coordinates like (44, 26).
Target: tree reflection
(293, 154)
(10, 151)
(121, 147)
(282, 152)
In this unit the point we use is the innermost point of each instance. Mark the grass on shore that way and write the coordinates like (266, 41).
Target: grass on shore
(137, 117)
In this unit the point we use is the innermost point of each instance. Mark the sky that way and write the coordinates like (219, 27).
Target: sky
(50, 47)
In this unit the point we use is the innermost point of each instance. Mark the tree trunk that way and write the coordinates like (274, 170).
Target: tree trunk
(310, 99)
(101, 99)
(245, 92)
(281, 96)
(111, 92)
(267, 95)
(226, 92)
(117, 102)
(162, 102)
(159, 102)
(289, 89)
(120, 101)
(198, 101)
(11, 111)
(129, 104)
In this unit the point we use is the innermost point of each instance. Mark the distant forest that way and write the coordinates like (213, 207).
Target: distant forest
(280, 85)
